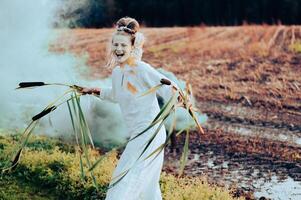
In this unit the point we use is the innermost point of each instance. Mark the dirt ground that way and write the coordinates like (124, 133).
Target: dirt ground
(247, 80)
(247, 76)
(253, 65)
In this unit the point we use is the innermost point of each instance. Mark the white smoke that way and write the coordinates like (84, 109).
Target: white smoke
(24, 36)
(182, 117)
(26, 29)
(71, 11)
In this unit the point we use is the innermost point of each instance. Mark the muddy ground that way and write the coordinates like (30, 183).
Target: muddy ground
(246, 79)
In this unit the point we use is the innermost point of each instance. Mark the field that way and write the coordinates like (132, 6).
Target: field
(50, 169)
(258, 64)
(247, 75)
(247, 79)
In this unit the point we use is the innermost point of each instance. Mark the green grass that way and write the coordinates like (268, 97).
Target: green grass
(50, 169)
(12, 188)
(296, 47)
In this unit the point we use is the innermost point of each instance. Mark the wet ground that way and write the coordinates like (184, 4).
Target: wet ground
(248, 172)
(247, 79)
(261, 158)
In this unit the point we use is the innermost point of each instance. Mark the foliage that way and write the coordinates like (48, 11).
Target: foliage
(296, 47)
(11, 189)
(56, 171)
(100, 13)
(191, 189)
(80, 127)
(82, 133)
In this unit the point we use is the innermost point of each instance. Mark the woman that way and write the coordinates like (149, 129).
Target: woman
(131, 78)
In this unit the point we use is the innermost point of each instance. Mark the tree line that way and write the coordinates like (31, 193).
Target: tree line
(103, 13)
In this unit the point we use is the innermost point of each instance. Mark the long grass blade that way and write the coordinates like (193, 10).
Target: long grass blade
(167, 106)
(72, 122)
(191, 112)
(190, 108)
(77, 142)
(83, 137)
(16, 159)
(59, 98)
(24, 139)
(184, 156)
(96, 163)
(153, 137)
(151, 90)
(84, 123)
(82, 172)
(160, 116)
(173, 122)
(161, 147)
(180, 131)
(120, 177)
(26, 134)
(102, 157)
(84, 142)
(157, 150)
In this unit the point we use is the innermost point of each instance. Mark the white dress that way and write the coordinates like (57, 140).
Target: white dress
(142, 180)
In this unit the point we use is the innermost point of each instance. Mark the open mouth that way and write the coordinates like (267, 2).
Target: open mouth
(119, 55)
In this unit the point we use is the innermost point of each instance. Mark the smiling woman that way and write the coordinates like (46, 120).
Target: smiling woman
(137, 174)
(121, 48)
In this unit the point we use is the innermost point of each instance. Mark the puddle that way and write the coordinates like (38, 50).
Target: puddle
(249, 149)
(282, 135)
(278, 189)
(252, 174)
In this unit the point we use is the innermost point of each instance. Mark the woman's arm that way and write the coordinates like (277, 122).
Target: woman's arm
(152, 77)
(106, 93)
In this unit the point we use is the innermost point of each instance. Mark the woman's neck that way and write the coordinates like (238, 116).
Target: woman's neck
(130, 61)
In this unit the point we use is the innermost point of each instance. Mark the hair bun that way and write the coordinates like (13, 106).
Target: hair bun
(128, 23)
(131, 25)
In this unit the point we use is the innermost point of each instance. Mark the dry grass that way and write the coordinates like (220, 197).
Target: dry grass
(47, 164)
(258, 63)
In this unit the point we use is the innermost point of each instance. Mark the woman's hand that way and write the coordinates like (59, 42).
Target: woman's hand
(95, 91)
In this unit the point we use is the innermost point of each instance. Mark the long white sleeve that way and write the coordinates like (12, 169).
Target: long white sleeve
(107, 94)
(152, 77)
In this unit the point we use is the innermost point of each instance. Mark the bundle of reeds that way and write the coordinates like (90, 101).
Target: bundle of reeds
(80, 127)
(180, 98)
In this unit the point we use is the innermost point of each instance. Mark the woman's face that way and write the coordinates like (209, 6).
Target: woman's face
(121, 48)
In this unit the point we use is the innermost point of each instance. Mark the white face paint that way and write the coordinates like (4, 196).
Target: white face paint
(121, 48)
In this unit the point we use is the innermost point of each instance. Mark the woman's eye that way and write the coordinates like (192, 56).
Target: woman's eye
(123, 45)
(115, 45)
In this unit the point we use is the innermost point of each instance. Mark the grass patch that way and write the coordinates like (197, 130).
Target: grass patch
(186, 188)
(296, 47)
(55, 172)
(12, 188)
(175, 47)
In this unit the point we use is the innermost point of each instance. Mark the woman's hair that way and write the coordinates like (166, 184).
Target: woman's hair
(127, 26)
(130, 27)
